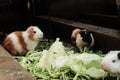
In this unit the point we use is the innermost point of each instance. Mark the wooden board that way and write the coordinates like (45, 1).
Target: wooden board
(10, 69)
(106, 39)
(102, 30)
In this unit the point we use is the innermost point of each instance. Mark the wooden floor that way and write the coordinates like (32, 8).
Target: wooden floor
(10, 69)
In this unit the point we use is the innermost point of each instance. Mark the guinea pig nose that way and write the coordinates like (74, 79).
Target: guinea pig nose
(102, 65)
(41, 36)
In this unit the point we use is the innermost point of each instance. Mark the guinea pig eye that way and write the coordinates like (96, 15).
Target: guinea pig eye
(113, 61)
(34, 31)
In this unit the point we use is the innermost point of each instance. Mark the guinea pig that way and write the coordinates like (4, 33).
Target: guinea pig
(19, 42)
(111, 62)
(82, 38)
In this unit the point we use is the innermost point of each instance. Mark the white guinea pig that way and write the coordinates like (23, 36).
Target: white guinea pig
(19, 42)
(82, 39)
(111, 62)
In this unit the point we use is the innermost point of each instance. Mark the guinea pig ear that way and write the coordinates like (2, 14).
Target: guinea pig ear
(30, 29)
(83, 32)
(118, 55)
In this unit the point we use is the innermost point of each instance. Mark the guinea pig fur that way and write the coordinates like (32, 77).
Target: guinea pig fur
(82, 39)
(19, 42)
(111, 62)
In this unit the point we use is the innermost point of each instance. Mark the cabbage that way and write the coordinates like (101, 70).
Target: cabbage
(94, 63)
(57, 48)
(86, 57)
(77, 66)
(90, 65)
(96, 73)
(59, 63)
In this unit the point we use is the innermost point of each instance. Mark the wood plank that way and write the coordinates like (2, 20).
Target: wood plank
(10, 69)
(106, 39)
(101, 30)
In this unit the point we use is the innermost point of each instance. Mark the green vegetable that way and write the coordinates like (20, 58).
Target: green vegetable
(55, 61)
(94, 63)
(96, 73)
(86, 57)
(57, 48)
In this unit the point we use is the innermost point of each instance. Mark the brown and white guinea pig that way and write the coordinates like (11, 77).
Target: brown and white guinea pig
(111, 62)
(82, 38)
(19, 42)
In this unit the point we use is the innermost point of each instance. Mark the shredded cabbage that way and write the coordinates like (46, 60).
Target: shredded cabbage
(59, 63)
